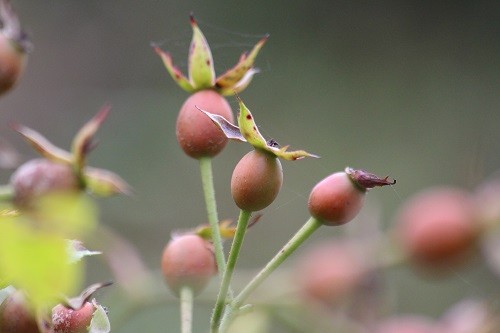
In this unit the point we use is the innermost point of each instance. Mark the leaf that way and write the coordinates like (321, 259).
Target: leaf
(200, 62)
(67, 214)
(36, 262)
(174, 71)
(238, 77)
(100, 321)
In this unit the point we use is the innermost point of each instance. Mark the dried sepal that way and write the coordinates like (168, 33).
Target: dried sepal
(11, 27)
(77, 251)
(231, 131)
(174, 71)
(367, 180)
(200, 62)
(77, 302)
(82, 143)
(42, 145)
(238, 77)
(104, 183)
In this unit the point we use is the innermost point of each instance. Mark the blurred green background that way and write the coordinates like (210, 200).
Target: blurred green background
(402, 88)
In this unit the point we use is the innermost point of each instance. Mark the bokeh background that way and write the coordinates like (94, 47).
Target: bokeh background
(402, 88)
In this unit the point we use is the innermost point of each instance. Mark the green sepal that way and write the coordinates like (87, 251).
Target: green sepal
(42, 145)
(100, 321)
(174, 71)
(201, 70)
(249, 132)
(104, 183)
(237, 78)
(82, 142)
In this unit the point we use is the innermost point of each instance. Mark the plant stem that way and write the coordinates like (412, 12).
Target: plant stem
(213, 219)
(300, 237)
(186, 298)
(228, 273)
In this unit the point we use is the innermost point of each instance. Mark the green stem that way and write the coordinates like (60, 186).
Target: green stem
(228, 273)
(300, 237)
(186, 299)
(213, 219)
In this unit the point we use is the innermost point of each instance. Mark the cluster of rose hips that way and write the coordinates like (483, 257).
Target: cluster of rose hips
(204, 125)
(58, 174)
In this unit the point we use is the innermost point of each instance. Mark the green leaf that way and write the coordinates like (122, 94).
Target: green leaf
(100, 321)
(37, 262)
(67, 214)
(200, 62)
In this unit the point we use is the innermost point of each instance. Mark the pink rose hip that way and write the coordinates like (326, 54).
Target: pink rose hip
(188, 261)
(197, 135)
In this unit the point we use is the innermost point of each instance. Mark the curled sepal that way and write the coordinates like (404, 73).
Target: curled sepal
(231, 131)
(82, 143)
(78, 302)
(77, 251)
(250, 132)
(100, 321)
(173, 70)
(200, 62)
(237, 78)
(42, 145)
(367, 180)
(104, 183)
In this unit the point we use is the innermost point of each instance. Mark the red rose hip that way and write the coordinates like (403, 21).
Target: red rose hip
(256, 180)
(338, 198)
(197, 135)
(66, 320)
(437, 226)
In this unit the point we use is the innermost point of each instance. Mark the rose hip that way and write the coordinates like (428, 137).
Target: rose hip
(338, 198)
(256, 180)
(188, 261)
(66, 320)
(41, 176)
(197, 135)
(15, 315)
(437, 226)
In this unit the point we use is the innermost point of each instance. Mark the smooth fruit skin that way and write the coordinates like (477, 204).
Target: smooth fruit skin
(197, 135)
(66, 320)
(12, 63)
(256, 180)
(437, 226)
(15, 316)
(336, 200)
(329, 272)
(41, 176)
(188, 261)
